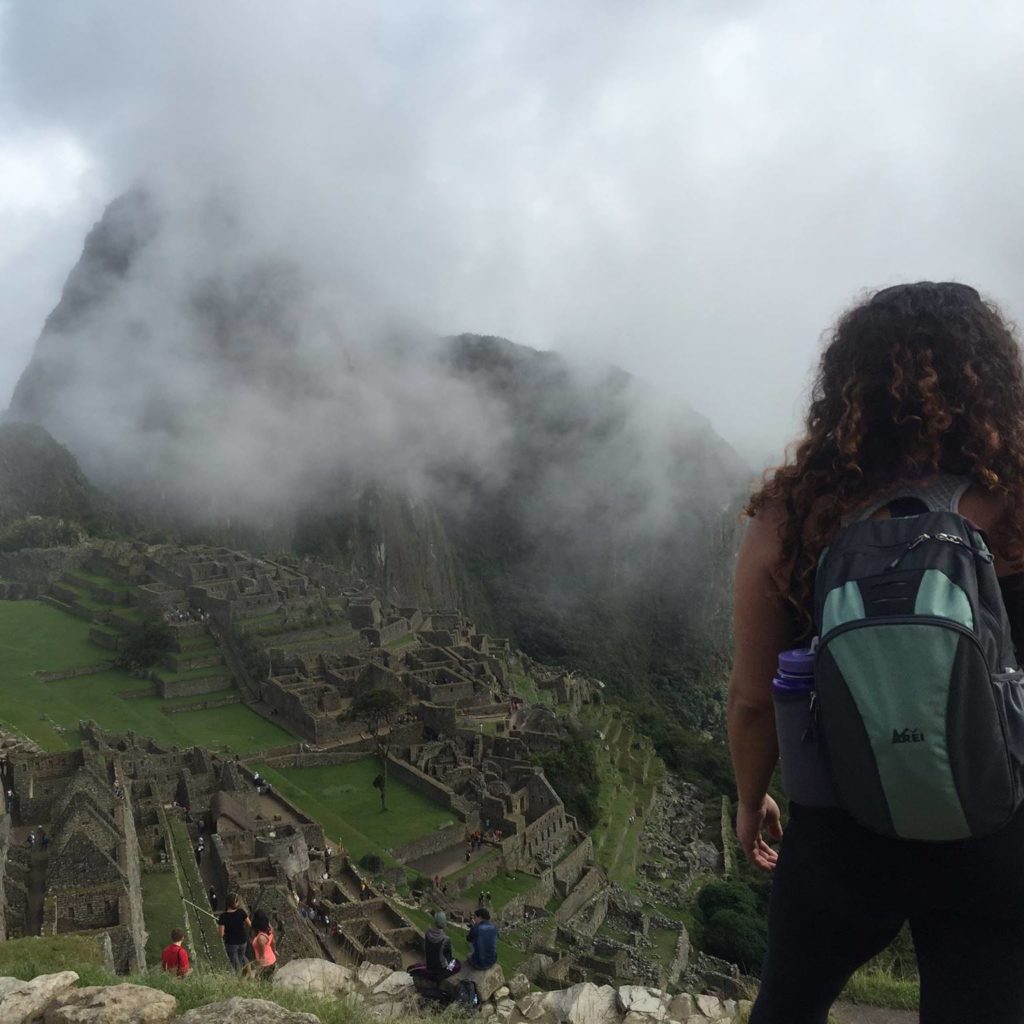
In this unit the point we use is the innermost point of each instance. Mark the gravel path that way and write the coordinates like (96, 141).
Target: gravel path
(848, 1013)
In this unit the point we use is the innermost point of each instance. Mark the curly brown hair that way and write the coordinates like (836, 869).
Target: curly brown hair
(917, 379)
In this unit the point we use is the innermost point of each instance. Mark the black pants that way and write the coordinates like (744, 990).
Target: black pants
(841, 893)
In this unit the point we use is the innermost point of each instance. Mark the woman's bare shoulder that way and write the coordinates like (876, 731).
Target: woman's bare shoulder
(761, 550)
(984, 508)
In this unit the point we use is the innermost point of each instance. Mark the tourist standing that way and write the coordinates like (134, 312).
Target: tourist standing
(175, 956)
(231, 926)
(264, 945)
(483, 940)
(918, 404)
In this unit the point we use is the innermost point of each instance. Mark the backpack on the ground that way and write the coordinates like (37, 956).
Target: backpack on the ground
(467, 997)
(919, 695)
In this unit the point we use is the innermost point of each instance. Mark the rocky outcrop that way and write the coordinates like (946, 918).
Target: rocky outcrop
(112, 1004)
(27, 1001)
(246, 1011)
(385, 994)
(487, 981)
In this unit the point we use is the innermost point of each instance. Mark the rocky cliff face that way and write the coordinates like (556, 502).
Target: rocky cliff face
(39, 477)
(214, 385)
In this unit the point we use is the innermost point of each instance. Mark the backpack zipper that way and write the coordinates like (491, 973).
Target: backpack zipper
(945, 538)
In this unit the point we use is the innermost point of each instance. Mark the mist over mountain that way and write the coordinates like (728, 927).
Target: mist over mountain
(224, 386)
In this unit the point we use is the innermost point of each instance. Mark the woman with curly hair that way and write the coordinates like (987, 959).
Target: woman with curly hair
(919, 399)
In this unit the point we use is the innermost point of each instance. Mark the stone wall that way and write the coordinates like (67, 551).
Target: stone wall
(568, 870)
(132, 917)
(5, 843)
(680, 960)
(441, 720)
(186, 662)
(546, 836)
(41, 566)
(483, 869)
(191, 687)
(74, 673)
(429, 787)
(377, 636)
(291, 708)
(105, 639)
(355, 752)
(434, 843)
(539, 896)
(585, 890)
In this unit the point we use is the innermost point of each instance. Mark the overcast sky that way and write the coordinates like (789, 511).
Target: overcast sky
(690, 190)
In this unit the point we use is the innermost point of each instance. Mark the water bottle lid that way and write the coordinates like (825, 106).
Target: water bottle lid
(798, 662)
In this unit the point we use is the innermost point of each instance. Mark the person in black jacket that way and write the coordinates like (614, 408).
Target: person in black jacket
(440, 962)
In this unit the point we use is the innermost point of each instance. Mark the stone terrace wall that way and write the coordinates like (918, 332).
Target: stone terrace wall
(131, 907)
(568, 870)
(74, 673)
(355, 752)
(41, 566)
(539, 896)
(429, 787)
(434, 843)
(482, 870)
(587, 887)
(191, 687)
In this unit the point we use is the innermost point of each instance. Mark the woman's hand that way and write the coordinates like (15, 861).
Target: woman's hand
(750, 823)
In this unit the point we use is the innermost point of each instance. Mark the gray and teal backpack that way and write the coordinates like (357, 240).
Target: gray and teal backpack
(918, 691)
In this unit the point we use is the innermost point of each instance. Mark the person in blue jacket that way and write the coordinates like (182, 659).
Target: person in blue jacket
(483, 940)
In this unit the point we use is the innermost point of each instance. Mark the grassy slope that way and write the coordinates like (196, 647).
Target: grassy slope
(616, 841)
(162, 909)
(343, 800)
(38, 637)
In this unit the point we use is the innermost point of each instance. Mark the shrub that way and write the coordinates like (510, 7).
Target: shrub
(572, 772)
(737, 937)
(145, 645)
(717, 896)
(371, 862)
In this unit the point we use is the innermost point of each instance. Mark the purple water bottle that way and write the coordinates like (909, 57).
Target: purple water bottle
(806, 773)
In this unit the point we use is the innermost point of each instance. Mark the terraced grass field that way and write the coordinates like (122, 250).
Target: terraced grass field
(36, 637)
(629, 772)
(343, 800)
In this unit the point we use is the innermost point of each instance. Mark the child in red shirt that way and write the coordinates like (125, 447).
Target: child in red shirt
(175, 956)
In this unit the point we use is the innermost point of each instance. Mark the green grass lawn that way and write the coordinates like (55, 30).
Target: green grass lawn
(91, 578)
(342, 798)
(162, 909)
(502, 888)
(38, 637)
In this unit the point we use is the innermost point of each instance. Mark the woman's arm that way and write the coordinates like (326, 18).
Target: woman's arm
(761, 628)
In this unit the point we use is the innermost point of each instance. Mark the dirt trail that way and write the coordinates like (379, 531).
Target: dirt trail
(849, 1013)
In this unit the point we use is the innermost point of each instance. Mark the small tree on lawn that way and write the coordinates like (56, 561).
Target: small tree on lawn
(378, 710)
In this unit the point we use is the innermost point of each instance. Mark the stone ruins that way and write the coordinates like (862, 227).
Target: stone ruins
(297, 641)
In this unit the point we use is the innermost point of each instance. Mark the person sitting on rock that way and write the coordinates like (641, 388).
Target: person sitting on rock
(483, 940)
(440, 962)
(175, 956)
